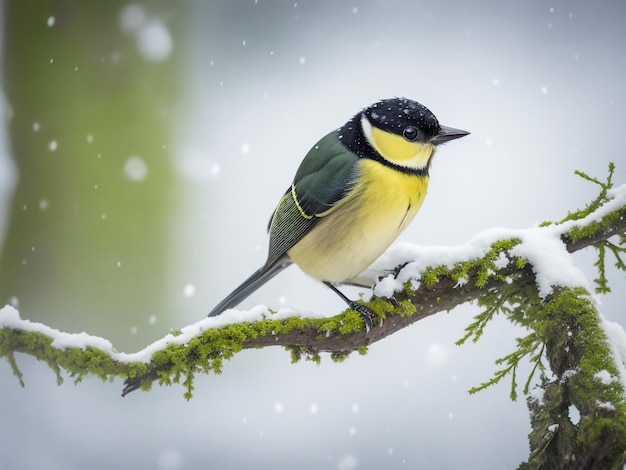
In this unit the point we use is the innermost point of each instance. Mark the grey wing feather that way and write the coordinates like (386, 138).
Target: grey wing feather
(287, 227)
(326, 175)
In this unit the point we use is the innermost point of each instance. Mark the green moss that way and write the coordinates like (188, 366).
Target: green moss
(206, 353)
(574, 310)
(514, 297)
(590, 229)
(77, 362)
(303, 352)
(381, 307)
(479, 271)
(502, 246)
(298, 352)
(179, 363)
(351, 323)
(135, 369)
(343, 324)
(408, 290)
(339, 356)
(597, 202)
(405, 308)
(568, 321)
(431, 275)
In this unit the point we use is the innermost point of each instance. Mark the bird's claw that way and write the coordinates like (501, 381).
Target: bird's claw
(365, 313)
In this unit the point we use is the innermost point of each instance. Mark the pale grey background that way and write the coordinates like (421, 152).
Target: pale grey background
(541, 87)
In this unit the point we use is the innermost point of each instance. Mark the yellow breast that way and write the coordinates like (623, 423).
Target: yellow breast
(363, 225)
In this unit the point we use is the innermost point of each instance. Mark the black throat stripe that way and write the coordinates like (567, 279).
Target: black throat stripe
(352, 136)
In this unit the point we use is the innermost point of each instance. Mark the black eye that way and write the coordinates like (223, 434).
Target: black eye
(410, 133)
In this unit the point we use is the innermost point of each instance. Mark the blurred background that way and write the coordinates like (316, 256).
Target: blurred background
(144, 146)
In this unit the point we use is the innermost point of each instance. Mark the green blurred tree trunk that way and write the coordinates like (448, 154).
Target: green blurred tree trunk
(87, 238)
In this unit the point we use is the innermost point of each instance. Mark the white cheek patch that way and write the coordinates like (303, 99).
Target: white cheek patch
(367, 130)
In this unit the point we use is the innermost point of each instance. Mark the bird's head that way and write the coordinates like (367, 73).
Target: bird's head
(401, 131)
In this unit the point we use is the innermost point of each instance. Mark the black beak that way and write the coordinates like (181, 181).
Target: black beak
(446, 134)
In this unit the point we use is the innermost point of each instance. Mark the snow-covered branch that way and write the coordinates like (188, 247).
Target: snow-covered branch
(528, 275)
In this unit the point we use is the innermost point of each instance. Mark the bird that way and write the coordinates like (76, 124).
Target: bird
(354, 192)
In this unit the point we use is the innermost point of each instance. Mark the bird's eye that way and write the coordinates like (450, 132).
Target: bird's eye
(410, 133)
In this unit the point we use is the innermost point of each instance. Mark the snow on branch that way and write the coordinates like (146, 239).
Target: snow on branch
(527, 275)
(499, 266)
(496, 265)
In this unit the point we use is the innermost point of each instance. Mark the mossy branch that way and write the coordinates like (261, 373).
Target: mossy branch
(499, 288)
(585, 378)
(503, 280)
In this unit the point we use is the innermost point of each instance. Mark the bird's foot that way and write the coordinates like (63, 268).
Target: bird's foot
(393, 301)
(365, 313)
(362, 310)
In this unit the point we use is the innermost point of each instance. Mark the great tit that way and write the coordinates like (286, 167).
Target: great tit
(355, 191)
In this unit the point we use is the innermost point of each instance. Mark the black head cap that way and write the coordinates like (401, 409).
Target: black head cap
(404, 117)
(400, 116)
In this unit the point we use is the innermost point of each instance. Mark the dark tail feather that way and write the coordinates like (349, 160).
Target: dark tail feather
(251, 284)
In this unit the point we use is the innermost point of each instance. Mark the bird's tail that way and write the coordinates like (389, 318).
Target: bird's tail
(260, 277)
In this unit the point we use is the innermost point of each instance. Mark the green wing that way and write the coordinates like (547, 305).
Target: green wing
(325, 177)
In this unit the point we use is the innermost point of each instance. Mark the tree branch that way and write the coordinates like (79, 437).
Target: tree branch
(440, 289)
(503, 275)
(603, 233)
